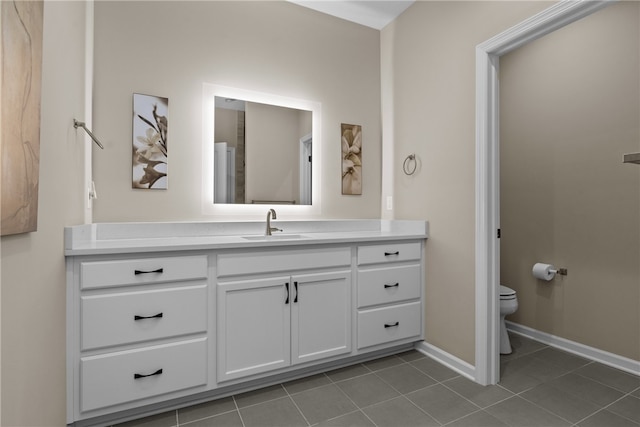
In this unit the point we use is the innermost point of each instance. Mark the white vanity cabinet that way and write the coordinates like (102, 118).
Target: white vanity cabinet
(389, 293)
(139, 329)
(269, 320)
(161, 316)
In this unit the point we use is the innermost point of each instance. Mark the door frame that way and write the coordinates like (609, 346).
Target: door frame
(305, 169)
(487, 270)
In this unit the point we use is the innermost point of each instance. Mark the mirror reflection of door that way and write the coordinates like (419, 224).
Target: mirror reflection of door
(305, 169)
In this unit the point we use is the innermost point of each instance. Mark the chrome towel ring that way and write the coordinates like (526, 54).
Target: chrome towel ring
(410, 164)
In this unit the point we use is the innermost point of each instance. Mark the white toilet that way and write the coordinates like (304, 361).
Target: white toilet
(508, 305)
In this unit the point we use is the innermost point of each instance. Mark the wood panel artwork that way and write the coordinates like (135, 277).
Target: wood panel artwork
(21, 71)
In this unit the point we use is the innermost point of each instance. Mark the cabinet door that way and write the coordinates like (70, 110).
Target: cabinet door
(321, 315)
(253, 326)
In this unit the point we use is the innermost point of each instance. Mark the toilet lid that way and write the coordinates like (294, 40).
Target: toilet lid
(505, 291)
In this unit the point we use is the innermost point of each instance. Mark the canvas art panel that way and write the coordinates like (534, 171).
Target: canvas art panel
(21, 75)
(351, 159)
(150, 123)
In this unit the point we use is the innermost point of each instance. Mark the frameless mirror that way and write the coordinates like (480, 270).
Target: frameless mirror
(262, 153)
(277, 144)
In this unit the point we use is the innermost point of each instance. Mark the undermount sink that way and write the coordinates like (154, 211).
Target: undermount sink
(277, 237)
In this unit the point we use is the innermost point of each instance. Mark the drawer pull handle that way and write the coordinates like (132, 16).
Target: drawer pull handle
(155, 316)
(286, 285)
(392, 253)
(395, 285)
(295, 285)
(138, 376)
(391, 325)
(136, 272)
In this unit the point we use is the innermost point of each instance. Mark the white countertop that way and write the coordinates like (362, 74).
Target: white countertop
(122, 238)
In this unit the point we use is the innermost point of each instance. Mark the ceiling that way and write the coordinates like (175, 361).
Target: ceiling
(371, 13)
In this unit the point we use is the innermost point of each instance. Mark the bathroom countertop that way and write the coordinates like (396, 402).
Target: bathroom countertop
(122, 238)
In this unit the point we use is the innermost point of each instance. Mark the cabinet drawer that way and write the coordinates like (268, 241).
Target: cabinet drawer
(98, 274)
(391, 252)
(382, 325)
(122, 318)
(388, 285)
(273, 261)
(112, 379)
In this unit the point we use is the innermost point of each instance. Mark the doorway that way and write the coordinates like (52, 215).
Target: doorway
(487, 250)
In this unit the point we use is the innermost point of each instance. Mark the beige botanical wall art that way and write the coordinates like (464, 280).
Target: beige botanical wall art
(351, 159)
(150, 125)
(20, 73)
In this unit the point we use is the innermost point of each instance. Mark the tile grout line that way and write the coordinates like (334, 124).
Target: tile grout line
(335, 383)
(574, 371)
(400, 361)
(404, 362)
(467, 415)
(296, 405)
(624, 396)
(547, 382)
(548, 411)
(442, 383)
(368, 417)
(208, 417)
(371, 371)
(437, 382)
(235, 402)
(347, 396)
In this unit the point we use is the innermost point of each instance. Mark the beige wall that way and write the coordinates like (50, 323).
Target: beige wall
(432, 81)
(272, 155)
(566, 196)
(429, 75)
(169, 48)
(33, 279)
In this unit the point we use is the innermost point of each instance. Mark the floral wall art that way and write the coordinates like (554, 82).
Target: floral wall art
(150, 122)
(351, 159)
(20, 87)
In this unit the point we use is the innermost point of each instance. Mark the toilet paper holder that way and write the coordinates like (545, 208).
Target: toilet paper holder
(547, 271)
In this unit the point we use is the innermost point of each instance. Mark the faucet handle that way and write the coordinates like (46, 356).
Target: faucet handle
(275, 229)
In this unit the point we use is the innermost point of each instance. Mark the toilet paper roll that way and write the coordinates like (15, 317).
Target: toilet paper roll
(544, 271)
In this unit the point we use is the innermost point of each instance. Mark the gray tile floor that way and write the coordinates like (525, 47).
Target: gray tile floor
(540, 386)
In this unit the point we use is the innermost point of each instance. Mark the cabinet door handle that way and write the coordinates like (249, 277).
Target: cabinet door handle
(392, 253)
(295, 285)
(136, 272)
(391, 325)
(155, 316)
(138, 376)
(395, 285)
(286, 285)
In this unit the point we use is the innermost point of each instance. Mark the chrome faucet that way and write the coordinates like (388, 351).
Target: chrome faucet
(271, 213)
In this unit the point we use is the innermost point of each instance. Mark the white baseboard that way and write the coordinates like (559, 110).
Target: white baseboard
(447, 359)
(610, 359)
